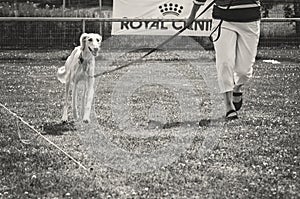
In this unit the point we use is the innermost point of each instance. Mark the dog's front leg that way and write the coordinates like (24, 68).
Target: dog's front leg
(74, 99)
(89, 100)
(84, 98)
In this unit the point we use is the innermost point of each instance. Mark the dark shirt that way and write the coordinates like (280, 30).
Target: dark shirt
(233, 3)
(235, 10)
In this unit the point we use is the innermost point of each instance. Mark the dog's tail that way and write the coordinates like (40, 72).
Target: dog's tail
(62, 74)
(64, 71)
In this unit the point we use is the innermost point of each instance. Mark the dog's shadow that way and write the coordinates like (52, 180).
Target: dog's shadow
(57, 129)
(54, 128)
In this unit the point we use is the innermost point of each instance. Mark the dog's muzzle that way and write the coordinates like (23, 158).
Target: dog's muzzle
(94, 51)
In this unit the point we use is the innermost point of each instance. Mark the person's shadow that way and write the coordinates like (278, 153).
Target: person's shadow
(202, 123)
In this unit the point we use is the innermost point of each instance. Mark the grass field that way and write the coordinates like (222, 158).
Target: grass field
(256, 156)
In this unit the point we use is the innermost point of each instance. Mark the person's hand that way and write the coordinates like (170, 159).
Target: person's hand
(189, 22)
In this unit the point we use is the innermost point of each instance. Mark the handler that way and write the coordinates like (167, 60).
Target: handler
(236, 29)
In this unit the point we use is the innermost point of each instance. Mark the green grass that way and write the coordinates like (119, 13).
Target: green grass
(256, 157)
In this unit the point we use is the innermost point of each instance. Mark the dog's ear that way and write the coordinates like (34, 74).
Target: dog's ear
(99, 37)
(83, 40)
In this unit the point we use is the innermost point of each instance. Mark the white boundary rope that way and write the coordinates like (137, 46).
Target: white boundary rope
(45, 138)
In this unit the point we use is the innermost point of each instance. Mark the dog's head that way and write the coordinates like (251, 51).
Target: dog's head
(91, 42)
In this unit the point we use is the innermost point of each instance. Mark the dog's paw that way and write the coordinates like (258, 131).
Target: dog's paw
(86, 118)
(75, 116)
(64, 119)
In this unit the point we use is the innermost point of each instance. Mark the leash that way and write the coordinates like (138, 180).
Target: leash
(157, 47)
(218, 27)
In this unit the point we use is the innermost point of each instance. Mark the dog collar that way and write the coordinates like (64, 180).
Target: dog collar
(81, 58)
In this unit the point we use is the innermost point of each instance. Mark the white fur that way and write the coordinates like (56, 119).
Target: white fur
(74, 71)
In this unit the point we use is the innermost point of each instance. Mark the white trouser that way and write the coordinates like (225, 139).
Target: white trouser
(236, 50)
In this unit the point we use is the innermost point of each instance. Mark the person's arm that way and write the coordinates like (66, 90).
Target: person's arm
(195, 8)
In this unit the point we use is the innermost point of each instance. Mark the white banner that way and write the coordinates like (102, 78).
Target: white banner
(158, 9)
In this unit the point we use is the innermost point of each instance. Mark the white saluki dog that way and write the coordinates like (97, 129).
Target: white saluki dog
(80, 66)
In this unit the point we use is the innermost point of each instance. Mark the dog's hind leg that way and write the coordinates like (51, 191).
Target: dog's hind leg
(65, 111)
(84, 98)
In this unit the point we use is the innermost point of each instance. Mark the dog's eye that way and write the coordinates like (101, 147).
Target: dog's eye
(90, 39)
(98, 40)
